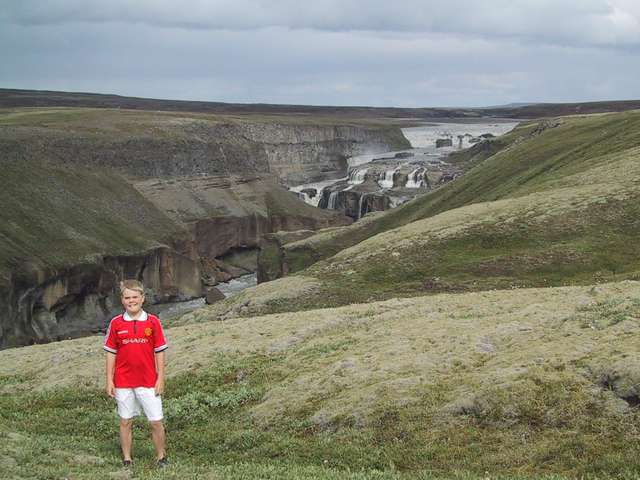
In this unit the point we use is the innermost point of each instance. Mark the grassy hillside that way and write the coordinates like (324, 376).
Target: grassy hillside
(44, 98)
(64, 198)
(555, 206)
(526, 383)
(55, 216)
(489, 367)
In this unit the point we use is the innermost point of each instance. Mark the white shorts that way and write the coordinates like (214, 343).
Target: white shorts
(131, 401)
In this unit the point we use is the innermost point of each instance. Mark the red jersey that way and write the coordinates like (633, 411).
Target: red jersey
(135, 343)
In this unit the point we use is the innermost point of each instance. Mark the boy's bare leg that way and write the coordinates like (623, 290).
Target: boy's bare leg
(158, 437)
(126, 437)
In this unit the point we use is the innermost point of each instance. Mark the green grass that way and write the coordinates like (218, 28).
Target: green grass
(55, 216)
(555, 206)
(470, 386)
(523, 161)
(543, 424)
(573, 247)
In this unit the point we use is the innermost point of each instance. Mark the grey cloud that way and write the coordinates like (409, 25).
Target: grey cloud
(279, 65)
(611, 23)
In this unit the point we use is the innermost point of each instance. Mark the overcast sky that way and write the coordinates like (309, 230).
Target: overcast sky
(408, 53)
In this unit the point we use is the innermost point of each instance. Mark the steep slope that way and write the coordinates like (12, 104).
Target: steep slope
(92, 195)
(67, 236)
(558, 205)
(149, 144)
(523, 382)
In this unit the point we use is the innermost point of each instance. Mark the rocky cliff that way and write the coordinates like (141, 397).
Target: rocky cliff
(45, 304)
(316, 152)
(93, 196)
(161, 144)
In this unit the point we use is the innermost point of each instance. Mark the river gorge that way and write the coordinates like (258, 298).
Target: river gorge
(199, 192)
(377, 182)
(177, 200)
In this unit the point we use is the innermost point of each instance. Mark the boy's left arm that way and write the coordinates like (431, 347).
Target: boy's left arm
(160, 345)
(159, 388)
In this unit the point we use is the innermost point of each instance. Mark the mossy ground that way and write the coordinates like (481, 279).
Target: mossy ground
(555, 206)
(536, 156)
(57, 216)
(522, 383)
(511, 383)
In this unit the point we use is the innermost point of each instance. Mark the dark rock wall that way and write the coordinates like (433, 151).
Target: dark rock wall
(295, 153)
(217, 236)
(356, 204)
(42, 305)
(272, 261)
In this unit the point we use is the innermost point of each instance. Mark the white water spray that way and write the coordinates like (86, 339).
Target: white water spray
(416, 178)
(357, 176)
(387, 181)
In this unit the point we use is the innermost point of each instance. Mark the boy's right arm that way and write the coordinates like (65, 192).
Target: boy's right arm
(111, 347)
(110, 368)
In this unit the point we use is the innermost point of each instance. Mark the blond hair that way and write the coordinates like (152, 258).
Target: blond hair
(131, 285)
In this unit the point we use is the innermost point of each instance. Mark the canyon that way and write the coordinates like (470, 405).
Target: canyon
(486, 326)
(92, 196)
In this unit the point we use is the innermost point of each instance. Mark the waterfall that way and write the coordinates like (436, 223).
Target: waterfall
(360, 204)
(416, 178)
(333, 199)
(387, 182)
(319, 187)
(357, 175)
(397, 201)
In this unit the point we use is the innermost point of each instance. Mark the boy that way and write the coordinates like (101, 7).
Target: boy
(135, 346)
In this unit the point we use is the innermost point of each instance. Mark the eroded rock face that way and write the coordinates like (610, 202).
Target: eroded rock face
(169, 146)
(272, 261)
(220, 180)
(213, 295)
(303, 154)
(41, 305)
(217, 236)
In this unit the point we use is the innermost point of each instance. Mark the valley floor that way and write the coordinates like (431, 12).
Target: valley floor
(522, 383)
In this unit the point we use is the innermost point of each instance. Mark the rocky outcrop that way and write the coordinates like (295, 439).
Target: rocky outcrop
(218, 235)
(385, 183)
(118, 183)
(43, 304)
(272, 261)
(149, 145)
(357, 203)
(213, 295)
(303, 154)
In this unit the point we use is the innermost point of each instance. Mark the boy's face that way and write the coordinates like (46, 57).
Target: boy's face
(132, 301)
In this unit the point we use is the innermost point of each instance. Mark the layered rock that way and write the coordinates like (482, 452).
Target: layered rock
(149, 145)
(116, 194)
(45, 304)
(303, 154)
(385, 183)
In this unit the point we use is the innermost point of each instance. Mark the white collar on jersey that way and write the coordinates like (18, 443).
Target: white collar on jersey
(142, 318)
